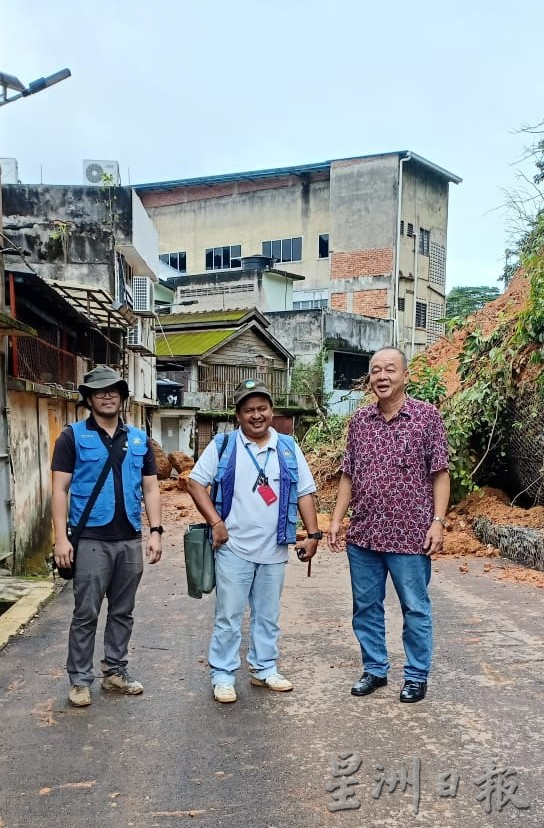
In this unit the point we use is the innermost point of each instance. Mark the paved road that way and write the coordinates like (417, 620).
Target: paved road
(174, 755)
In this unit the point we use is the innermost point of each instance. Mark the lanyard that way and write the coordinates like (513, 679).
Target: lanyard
(261, 478)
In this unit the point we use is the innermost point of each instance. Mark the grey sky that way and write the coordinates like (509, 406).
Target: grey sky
(175, 89)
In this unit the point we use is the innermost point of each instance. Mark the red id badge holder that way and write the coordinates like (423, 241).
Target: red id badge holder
(267, 493)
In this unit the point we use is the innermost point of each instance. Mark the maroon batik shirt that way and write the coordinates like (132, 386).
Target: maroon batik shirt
(391, 465)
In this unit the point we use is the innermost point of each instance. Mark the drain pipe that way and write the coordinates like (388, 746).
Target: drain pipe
(407, 157)
(416, 256)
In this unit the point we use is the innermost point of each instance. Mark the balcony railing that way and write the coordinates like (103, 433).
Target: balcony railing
(38, 361)
(210, 399)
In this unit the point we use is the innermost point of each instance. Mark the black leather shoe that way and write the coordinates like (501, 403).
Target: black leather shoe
(367, 684)
(413, 691)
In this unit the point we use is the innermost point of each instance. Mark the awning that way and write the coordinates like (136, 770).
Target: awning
(95, 304)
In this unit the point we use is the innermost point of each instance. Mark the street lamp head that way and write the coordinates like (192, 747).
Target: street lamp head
(11, 82)
(44, 83)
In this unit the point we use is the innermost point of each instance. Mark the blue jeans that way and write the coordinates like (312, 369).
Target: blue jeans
(410, 575)
(238, 582)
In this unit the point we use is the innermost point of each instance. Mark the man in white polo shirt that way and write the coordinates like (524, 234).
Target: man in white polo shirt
(261, 479)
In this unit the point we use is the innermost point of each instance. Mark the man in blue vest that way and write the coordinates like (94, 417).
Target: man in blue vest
(109, 553)
(260, 480)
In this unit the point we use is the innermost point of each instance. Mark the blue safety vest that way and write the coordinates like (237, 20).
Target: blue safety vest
(91, 454)
(288, 500)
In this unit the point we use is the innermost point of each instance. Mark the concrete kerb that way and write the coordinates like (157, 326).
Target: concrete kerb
(25, 608)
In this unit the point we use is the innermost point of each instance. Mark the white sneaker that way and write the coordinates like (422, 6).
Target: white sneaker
(273, 682)
(224, 693)
(79, 695)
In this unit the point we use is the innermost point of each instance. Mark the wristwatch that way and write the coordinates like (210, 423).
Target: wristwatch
(315, 535)
(439, 520)
(158, 529)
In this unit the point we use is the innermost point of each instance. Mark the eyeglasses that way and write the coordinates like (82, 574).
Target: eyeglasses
(109, 392)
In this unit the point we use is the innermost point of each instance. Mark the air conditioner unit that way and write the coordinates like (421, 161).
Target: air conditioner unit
(10, 173)
(101, 173)
(142, 291)
(134, 336)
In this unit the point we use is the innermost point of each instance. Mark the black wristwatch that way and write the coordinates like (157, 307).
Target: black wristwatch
(315, 535)
(158, 529)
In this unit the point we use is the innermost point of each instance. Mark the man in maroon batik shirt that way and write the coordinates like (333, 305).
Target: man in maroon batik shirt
(395, 478)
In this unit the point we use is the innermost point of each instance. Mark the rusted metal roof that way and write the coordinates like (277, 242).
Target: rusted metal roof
(95, 304)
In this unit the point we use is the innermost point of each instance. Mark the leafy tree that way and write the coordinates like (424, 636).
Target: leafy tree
(526, 205)
(462, 301)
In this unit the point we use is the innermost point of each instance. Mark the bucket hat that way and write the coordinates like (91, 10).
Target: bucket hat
(248, 388)
(101, 377)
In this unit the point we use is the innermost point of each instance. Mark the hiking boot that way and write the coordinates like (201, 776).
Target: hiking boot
(123, 683)
(274, 682)
(79, 695)
(224, 693)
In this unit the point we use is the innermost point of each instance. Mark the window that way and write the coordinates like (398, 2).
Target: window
(284, 250)
(323, 246)
(401, 303)
(349, 369)
(176, 260)
(410, 231)
(421, 315)
(402, 228)
(310, 304)
(424, 241)
(435, 329)
(224, 258)
(437, 264)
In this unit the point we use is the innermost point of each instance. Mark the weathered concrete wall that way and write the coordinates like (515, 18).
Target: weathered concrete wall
(68, 230)
(304, 333)
(35, 423)
(192, 219)
(364, 204)
(267, 290)
(423, 277)
(300, 332)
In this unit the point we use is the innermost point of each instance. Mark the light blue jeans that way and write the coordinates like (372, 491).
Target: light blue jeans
(410, 575)
(239, 582)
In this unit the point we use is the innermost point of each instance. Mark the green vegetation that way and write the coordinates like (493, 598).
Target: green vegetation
(426, 382)
(478, 417)
(462, 301)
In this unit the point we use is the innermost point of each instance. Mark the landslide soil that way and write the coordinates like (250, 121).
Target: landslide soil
(459, 539)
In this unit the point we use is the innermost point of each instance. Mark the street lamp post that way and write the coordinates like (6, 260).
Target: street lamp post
(10, 82)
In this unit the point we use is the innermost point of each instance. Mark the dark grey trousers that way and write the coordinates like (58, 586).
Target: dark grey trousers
(104, 568)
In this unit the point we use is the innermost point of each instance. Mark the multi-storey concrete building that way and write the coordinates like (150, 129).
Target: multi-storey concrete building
(368, 234)
(80, 267)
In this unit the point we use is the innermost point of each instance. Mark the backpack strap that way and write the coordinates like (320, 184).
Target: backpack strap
(220, 449)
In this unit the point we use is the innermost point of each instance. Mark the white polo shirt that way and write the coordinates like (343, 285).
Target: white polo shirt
(251, 524)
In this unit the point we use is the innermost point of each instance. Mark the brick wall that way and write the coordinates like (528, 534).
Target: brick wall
(339, 301)
(202, 192)
(371, 262)
(370, 303)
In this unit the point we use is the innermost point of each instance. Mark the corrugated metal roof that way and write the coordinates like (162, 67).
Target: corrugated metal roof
(191, 343)
(304, 169)
(202, 316)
